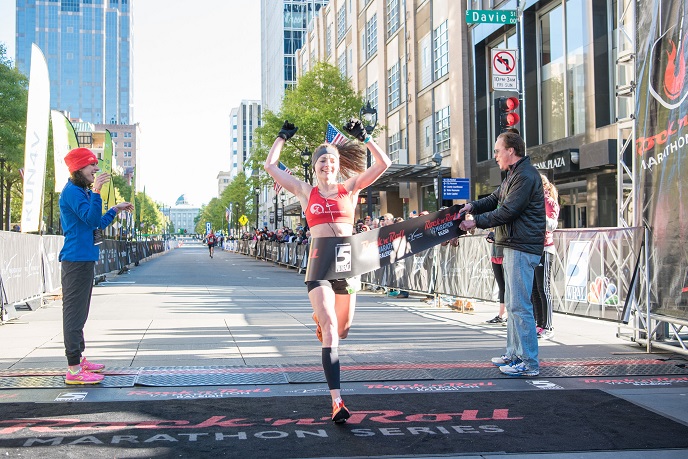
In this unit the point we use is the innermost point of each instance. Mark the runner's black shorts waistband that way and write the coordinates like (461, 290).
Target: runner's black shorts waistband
(339, 286)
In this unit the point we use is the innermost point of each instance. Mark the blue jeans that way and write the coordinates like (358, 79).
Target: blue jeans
(521, 337)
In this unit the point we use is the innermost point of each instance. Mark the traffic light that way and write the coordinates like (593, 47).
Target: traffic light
(507, 113)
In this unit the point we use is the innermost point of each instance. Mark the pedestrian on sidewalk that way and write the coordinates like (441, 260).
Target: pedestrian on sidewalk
(82, 221)
(516, 209)
(329, 207)
(542, 294)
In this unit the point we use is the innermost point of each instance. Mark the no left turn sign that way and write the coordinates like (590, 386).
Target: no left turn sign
(504, 69)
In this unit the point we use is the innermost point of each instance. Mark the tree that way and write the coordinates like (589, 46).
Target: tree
(320, 95)
(14, 95)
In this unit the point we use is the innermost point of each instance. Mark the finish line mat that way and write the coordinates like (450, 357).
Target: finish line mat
(299, 426)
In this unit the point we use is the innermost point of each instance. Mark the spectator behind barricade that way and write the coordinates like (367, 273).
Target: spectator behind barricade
(387, 219)
(375, 223)
(542, 296)
(496, 261)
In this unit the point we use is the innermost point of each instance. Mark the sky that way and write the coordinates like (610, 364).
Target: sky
(193, 63)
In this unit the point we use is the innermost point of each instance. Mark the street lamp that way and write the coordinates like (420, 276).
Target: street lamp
(368, 116)
(305, 157)
(257, 190)
(437, 159)
(283, 197)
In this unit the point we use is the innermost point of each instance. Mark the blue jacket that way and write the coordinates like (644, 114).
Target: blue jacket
(80, 214)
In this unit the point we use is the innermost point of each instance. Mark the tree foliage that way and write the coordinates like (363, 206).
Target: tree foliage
(239, 193)
(13, 105)
(320, 95)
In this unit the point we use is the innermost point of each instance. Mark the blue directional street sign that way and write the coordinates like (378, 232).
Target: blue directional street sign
(456, 188)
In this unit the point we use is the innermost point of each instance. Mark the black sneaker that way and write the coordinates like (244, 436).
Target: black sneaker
(497, 320)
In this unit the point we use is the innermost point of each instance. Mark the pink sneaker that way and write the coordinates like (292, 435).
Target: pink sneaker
(82, 377)
(92, 367)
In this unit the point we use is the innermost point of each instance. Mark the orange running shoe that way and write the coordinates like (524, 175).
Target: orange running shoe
(318, 329)
(339, 412)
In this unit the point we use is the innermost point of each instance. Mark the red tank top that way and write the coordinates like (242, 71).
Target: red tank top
(336, 209)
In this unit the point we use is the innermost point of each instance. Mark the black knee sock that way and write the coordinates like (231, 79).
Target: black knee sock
(330, 363)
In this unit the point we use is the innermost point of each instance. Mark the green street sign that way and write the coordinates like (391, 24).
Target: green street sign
(491, 16)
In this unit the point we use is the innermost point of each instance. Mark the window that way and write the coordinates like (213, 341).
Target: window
(442, 129)
(393, 89)
(341, 64)
(575, 65)
(328, 44)
(127, 144)
(127, 134)
(552, 74)
(392, 16)
(371, 94)
(441, 50)
(371, 37)
(394, 142)
(341, 22)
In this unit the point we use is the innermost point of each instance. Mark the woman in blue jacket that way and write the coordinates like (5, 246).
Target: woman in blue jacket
(81, 217)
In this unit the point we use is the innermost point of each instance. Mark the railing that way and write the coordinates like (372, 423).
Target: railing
(29, 266)
(591, 275)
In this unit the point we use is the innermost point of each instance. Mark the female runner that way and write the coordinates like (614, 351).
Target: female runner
(330, 207)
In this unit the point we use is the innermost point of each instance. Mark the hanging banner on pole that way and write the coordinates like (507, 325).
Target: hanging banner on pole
(64, 140)
(107, 191)
(662, 149)
(36, 148)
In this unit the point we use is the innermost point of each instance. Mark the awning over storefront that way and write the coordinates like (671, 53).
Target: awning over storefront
(403, 173)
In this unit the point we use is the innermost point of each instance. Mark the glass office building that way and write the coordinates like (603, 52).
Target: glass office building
(284, 26)
(87, 44)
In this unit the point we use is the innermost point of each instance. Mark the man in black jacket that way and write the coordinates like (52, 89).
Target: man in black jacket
(517, 212)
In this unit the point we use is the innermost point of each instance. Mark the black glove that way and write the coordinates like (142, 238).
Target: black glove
(288, 130)
(355, 128)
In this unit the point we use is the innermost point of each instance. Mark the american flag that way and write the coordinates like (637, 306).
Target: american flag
(333, 136)
(277, 187)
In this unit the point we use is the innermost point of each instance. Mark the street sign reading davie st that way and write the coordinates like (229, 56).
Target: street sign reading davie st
(492, 16)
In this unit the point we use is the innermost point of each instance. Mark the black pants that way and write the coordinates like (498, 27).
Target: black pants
(499, 278)
(542, 297)
(77, 285)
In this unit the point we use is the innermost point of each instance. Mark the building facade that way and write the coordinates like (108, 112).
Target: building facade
(244, 119)
(409, 59)
(223, 181)
(429, 74)
(87, 44)
(125, 139)
(284, 23)
(183, 216)
(569, 106)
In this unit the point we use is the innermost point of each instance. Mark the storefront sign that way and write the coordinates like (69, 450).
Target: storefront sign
(456, 188)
